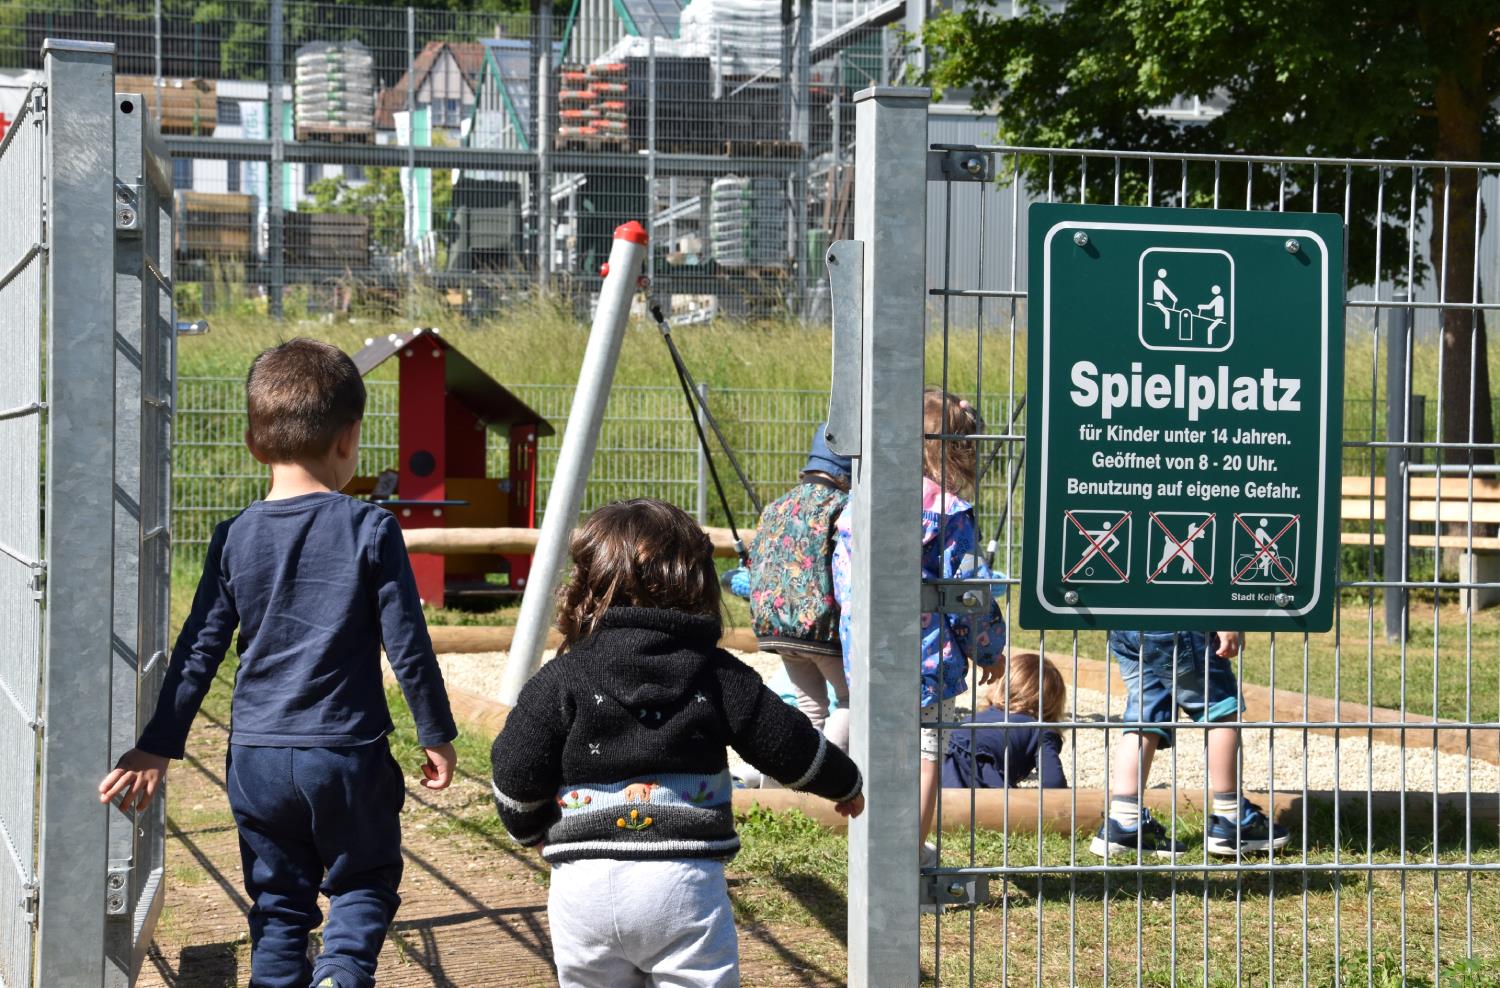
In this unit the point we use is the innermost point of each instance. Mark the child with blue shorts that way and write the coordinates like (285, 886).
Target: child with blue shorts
(1164, 672)
(317, 583)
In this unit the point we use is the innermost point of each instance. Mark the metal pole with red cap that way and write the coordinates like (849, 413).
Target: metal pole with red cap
(580, 439)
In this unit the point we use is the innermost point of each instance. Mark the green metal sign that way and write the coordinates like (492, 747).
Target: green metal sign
(1184, 421)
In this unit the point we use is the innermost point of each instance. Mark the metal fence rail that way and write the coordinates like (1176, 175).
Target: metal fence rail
(647, 447)
(1395, 835)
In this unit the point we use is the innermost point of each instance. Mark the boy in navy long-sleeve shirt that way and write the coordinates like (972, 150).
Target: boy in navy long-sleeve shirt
(317, 583)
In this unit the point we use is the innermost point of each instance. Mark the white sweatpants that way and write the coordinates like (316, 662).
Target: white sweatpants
(623, 924)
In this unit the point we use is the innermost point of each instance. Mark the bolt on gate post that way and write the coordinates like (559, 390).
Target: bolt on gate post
(891, 219)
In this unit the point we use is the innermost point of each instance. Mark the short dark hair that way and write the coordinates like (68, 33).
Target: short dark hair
(301, 394)
(637, 553)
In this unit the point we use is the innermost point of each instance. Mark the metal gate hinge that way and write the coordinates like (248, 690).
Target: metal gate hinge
(38, 583)
(39, 103)
(956, 598)
(955, 891)
(28, 901)
(960, 166)
(846, 286)
(127, 207)
(114, 896)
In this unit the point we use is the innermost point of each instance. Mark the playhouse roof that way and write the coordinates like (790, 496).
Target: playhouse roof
(489, 400)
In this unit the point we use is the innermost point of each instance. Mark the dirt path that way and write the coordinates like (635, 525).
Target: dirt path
(474, 910)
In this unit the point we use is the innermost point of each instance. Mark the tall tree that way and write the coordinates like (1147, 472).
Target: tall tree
(1407, 79)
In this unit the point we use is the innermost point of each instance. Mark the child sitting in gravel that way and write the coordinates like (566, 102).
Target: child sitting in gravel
(614, 759)
(1031, 691)
(1164, 671)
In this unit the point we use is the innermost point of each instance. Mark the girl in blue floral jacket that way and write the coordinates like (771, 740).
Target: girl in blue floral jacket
(950, 642)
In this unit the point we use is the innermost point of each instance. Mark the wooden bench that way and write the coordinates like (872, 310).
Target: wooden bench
(1439, 502)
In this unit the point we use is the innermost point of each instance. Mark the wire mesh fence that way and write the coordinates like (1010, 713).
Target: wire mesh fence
(1385, 869)
(330, 156)
(647, 448)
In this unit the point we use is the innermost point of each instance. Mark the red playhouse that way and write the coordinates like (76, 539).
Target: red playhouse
(447, 406)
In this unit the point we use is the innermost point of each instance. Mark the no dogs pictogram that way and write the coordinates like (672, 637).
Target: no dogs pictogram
(1096, 546)
(1180, 547)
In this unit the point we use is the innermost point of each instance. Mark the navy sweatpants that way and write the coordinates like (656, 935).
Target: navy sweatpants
(311, 820)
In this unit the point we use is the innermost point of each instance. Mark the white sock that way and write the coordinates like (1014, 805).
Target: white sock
(1226, 805)
(1126, 811)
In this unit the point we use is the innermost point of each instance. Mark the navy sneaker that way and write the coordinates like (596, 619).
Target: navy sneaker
(1147, 838)
(1254, 832)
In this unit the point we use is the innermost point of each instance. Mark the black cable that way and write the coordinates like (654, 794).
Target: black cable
(708, 415)
(684, 379)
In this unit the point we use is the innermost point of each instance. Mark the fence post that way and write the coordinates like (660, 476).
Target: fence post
(702, 508)
(890, 217)
(1398, 428)
(275, 234)
(544, 231)
(80, 194)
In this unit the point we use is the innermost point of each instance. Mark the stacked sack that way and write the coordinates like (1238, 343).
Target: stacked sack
(335, 86)
(591, 106)
(748, 222)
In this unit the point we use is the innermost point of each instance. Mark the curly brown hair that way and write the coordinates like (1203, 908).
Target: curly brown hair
(1033, 686)
(952, 463)
(637, 553)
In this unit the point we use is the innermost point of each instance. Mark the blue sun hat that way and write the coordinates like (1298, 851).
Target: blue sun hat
(825, 460)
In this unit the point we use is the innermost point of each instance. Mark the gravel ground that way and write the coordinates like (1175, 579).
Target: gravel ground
(1351, 757)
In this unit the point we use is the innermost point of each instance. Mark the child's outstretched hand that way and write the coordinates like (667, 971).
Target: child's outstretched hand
(988, 674)
(437, 770)
(138, 774)
(851, 808)
(1229, 643)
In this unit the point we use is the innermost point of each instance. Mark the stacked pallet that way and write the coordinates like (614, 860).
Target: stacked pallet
(188, 106)
(592, 110)
(335, 95)
(213, 226)
(327, 240)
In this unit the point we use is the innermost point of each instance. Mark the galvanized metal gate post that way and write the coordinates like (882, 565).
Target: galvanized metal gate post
(73, 827)
(891, 219)
(145, 372)
(87, 341)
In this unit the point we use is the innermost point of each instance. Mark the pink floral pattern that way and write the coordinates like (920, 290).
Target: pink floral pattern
(949, 552)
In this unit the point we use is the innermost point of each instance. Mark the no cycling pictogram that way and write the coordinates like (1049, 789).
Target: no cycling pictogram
(1265, 552)
(1101, 536)
(1183, 551)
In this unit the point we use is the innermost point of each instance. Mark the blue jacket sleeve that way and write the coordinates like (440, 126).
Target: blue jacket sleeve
(1049, 768)
(982, 636)
(403, 634)
(200, 648)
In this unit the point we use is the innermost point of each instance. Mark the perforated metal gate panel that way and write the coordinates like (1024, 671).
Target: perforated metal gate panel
(22, 424)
